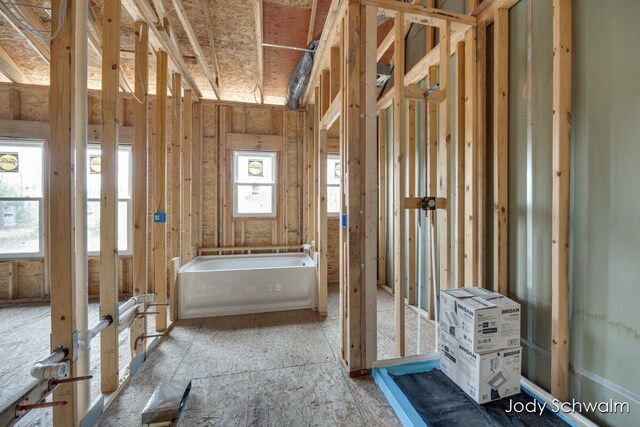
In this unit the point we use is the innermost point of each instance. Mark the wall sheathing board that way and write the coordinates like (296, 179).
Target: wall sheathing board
(251, 121)
(530, 186)
(605, 337)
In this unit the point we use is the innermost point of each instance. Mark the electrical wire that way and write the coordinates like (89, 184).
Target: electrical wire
(138, 70)
(16, 15)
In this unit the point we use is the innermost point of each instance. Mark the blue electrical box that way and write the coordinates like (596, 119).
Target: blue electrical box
(160, 217)
(344, 221)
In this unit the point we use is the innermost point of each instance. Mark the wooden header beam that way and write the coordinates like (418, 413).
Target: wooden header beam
(424, 15)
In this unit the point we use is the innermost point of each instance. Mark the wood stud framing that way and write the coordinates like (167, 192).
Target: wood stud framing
(500, 151)
(399, 185)
(411, 192)
(175, 215)
(560, 303)
(140, 162)
(470, 142)
(160, 197)
(444, 159)
(459, 105)
(382, 198)
(61, 236)
(187, 173)
(109, 362)
(343, 83)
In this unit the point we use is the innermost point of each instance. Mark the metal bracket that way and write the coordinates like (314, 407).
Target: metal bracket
(74, 339)
(428, 203)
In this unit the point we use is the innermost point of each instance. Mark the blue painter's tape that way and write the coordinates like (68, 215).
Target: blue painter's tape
(160, 217)
(344, 221)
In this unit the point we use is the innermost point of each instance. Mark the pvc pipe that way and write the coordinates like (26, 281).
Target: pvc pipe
(127, 317)
(79, 131)
(433, 279)
(51, 367)
(137, 299)
(419, 278)
(84, 342)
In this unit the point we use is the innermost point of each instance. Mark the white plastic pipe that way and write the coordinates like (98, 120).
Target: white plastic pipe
(128, 316)
(433, 279)
(84, 341)
(52, 366)
(419, 278)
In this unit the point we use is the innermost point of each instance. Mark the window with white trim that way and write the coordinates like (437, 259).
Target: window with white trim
(333, 184)
(21, 201)
(254, 184)
(93, 199)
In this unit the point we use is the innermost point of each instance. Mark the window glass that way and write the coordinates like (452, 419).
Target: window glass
(20, 227)
(254, 199)
(254, 190)
(93, 226)
(94, 169)
(333, 184)
(21, 170)
(333, 170)
(21, 205)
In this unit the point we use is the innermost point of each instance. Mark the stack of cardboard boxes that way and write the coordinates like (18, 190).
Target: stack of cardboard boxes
(480, 342)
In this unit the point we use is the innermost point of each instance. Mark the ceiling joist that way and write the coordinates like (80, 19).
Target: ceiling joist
(10, 69)
(212, 46)
(312, 21)
(141, 10)
(195, 44)
(259, 39)
(33, 20)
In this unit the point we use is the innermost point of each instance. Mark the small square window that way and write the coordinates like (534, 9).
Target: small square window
(254, 184)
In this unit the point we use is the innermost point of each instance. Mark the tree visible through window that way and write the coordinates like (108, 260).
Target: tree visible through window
(254, 184)
(333, 184)
(21, 199)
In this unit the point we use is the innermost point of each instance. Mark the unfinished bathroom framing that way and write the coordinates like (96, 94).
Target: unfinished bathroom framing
(258, 210)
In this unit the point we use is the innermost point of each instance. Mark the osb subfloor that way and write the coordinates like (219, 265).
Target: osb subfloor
(258, 369)
(278, 369)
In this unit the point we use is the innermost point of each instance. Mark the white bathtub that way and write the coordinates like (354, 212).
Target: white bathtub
(240, 284)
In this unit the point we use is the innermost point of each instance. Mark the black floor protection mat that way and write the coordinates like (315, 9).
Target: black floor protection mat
(440, 402)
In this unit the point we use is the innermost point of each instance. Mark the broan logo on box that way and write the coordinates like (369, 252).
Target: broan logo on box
(511, 353)
(511, 310)
(469, 352)
(9, 162)
(465, 309)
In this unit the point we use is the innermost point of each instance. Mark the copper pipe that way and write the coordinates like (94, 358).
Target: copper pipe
(70, 380)
(21, 408)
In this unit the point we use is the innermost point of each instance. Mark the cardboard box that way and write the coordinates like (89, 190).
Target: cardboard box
(480, 319)
(448, 308)
(489, 376)
(488, 324)
(449, 355)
